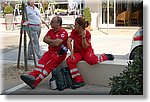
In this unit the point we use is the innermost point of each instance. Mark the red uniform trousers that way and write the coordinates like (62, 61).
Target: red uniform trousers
(87, 55)
(46, 64)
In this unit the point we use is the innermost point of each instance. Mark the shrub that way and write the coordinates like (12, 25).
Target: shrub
(87, 14)
(8, 9)
(130, 82)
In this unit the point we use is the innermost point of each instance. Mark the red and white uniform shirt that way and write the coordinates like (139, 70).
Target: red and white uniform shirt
(78, 40)
(61, 34)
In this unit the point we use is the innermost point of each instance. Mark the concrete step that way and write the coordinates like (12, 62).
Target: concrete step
(96, 78)
(101, 73)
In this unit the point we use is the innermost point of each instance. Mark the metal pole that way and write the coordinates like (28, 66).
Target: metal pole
(19, 51)
(20, 43)
(25, 52)
(25, 39)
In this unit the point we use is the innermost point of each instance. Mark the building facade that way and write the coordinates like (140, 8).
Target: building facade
(115, 13)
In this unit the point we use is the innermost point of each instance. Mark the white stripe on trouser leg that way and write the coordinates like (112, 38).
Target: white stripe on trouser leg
(75, 75)
(99, 56)
(37, 69)
(73, 70)
(101, 59)
(41, 76)
(45, 72)
(40, 65)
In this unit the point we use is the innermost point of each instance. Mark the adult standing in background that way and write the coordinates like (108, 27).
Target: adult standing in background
(35, 21)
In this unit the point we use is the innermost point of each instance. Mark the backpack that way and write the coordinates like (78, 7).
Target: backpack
(61, 79)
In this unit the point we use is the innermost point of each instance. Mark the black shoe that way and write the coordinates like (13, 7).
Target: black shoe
(110, 56)
(29, 80)
(77, 84)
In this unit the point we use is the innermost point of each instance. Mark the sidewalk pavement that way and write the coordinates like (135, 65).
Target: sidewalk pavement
(118, 31)
(44, 89)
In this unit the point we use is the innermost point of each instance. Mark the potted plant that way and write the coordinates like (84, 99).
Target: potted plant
(8, 11)
(87, 17)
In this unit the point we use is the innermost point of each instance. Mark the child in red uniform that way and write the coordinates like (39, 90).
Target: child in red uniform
(82, 50)
(55, 38)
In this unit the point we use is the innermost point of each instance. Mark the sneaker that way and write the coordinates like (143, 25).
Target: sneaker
(110, 56)
(78, 84)
(104, 57)
(29, 80)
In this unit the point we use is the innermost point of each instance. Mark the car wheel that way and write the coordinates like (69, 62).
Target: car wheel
(132, 55)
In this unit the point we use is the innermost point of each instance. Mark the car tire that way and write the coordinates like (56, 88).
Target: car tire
(132, 55)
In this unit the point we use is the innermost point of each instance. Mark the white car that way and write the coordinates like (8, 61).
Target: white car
(137, 42)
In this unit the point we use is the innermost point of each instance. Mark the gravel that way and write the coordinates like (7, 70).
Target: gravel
(11, 75)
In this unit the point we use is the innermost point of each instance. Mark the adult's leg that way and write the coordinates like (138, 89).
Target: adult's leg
(53, 62)
(41, 64)
(72, 64)
(29, 47)
(35, 39)
(32, 77)
(90, 57)
(39, 33)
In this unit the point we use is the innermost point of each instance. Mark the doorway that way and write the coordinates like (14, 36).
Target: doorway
(107, 13)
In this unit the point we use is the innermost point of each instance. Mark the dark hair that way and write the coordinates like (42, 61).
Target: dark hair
(81, 22)
(59, 19)
(28, 3)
